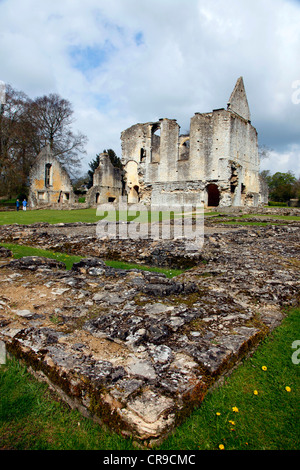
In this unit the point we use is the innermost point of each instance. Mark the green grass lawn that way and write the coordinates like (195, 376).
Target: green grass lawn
(90, 216)
(32, 418)
(232, 415)
(258, 407)
(123, 265)
(49, 216)
(19, 251)
(272, 216)
(242, 219)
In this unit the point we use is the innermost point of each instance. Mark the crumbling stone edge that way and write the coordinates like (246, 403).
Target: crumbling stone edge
(94, 400)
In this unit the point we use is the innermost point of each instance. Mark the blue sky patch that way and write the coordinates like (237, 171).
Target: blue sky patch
(90, 57)
(101, 101)
(139, 38)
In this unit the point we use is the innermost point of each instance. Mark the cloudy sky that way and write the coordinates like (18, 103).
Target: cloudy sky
(120, 62)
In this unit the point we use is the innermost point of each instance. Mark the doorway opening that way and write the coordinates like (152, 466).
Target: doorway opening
(213, 195)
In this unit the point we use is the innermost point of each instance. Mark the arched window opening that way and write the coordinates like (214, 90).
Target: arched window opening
(48, 175)
(184, 149)
(155, 143)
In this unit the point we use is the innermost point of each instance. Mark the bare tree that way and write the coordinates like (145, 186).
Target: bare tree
(26, 126)
(52, 117)
(16, 142)
(264, 151)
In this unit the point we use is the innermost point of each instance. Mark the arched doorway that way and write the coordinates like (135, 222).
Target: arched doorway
(213, 195)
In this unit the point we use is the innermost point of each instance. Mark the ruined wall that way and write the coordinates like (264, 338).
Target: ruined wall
(238, 102)
(244, 152)
(49, 181)
(217, 163)
(167, 168)
(107, 183)
(263, 191)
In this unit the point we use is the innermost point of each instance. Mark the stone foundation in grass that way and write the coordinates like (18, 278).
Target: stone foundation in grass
(133, 349)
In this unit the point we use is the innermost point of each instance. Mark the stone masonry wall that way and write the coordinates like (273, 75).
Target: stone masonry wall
(49, 186)
(221, 149)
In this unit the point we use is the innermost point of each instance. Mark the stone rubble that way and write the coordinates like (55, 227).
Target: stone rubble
(134, 349)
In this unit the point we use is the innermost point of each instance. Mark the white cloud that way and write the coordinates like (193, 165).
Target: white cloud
(288, 160)
(125, 61)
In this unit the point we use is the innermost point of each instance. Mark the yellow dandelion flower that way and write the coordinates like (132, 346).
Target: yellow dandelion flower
(255, 392)
(221, 447)
(232, 422)
(264, 368)
(235, 409)
(218, 413)
(288, 389)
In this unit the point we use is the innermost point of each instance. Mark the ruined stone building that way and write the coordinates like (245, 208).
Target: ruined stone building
(50, 183)
(107, 183)
(217, 163)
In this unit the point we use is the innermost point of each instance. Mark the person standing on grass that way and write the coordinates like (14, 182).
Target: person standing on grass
(24, 205)
(18, 204)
